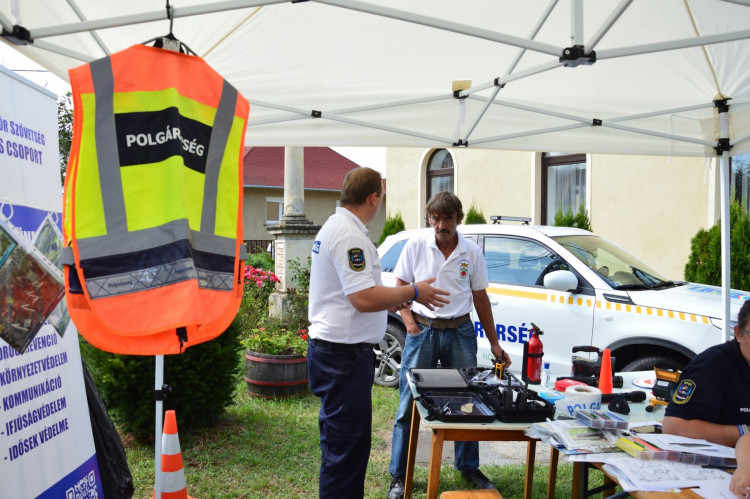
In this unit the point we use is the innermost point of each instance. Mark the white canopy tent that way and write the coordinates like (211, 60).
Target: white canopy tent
(667, 77)
(349, 73)
(600, 76)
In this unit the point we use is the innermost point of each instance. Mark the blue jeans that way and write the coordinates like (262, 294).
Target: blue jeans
(453, 348)
(343, 381)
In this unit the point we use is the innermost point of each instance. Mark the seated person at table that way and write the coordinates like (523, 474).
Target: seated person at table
(740, 484)
(712, 399)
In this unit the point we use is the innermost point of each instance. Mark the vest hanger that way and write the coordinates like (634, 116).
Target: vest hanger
(169, 41)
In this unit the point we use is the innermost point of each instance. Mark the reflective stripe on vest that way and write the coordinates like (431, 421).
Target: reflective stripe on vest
(161, 268)
(154, 193)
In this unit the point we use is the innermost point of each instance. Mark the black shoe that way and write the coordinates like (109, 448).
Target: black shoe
(397, 488)
(478, 479)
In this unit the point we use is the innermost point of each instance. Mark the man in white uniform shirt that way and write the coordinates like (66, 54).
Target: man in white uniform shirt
(445, 335)
(347, 311)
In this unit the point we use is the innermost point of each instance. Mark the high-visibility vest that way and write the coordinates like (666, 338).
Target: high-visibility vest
(153, 201)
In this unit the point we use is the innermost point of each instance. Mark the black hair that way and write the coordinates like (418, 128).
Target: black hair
(744, 315)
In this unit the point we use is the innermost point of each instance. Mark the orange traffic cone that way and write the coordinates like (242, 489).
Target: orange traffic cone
(173, 484)
(605, 372)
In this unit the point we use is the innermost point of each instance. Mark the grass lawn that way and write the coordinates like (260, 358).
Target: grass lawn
(269, 449)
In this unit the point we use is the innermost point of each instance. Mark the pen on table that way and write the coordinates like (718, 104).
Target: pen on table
(615, 416)
(637, 444)
(644, 444)
(632, 448)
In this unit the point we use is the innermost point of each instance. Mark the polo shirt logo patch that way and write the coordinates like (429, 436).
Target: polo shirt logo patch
(684, 391)
(357, 259)
(463, 269)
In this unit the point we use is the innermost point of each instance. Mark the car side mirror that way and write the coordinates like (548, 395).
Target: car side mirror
(561, 280)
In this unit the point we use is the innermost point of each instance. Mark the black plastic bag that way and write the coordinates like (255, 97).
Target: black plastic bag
(117, 481)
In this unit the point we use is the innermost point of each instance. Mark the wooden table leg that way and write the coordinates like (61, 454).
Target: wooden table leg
(575, 489)
(436, 458)
(610, 491)
(530, 458)
(554, 456)
(412, 455)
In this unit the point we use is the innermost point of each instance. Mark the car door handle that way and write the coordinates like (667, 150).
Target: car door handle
(494, 301)
(607, 317)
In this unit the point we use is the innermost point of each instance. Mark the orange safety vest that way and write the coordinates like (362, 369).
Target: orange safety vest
(153, 202)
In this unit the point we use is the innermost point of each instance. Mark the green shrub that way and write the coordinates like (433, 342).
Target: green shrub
(393, 225)
(260, 260)
(299, 297)
(704, 263)
(569, 219)
(202, 379)
(474, 216)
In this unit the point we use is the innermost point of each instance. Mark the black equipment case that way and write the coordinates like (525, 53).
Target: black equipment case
(448, 396)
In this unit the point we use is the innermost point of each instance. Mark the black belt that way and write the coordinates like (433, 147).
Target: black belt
(441, 323)
(349, 347)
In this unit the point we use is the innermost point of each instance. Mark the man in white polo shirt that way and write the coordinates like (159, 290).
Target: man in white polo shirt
(348, 316)
(445, 335)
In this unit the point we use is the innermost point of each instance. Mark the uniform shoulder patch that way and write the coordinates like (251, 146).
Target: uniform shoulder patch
(356, 259)
(684, 391)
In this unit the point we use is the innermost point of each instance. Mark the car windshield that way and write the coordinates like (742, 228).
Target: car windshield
(617, 267)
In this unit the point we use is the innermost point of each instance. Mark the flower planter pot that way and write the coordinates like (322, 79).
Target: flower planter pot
(271, 376)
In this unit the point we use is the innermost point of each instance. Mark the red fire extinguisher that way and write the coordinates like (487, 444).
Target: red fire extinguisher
(532, 356)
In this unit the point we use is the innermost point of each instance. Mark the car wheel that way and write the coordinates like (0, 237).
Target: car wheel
(648, 363)
(388, 356)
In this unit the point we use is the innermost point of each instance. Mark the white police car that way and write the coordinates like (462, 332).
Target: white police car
(580, 290)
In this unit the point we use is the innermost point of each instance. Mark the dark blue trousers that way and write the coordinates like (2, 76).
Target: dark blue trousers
(343, 381)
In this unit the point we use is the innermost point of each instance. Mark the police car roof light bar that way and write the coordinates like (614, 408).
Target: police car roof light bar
(496, 219)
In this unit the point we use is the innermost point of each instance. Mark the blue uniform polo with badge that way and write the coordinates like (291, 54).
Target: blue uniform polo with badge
(714, 387)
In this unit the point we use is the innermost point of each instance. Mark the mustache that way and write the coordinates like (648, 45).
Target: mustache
(443, 231)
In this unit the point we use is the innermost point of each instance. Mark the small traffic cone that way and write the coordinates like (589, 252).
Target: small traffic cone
(173, 484)
(605, 372)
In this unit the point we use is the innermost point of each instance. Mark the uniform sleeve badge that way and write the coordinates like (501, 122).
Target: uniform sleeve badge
(684, 391)
(357, 259)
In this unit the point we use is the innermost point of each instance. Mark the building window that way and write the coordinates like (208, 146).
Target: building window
(439, 173)
(740, 179)
(563, 184)
(274, 210)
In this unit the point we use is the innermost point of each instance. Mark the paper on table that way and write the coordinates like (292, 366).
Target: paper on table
(634, 474)
(686, 444)
(715, 489)
(638, 424)
(599, 457)
(578, 436)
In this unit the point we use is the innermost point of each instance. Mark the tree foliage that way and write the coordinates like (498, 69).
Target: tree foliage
(474, 216)
(393, 225)
(704, 263)
(64, 131)
(579, 220)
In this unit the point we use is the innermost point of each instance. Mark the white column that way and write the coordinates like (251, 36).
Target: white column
(294, 181)
(294, 234)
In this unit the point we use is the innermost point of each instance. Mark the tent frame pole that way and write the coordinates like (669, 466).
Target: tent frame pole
(726, 254)
(160, 393)
(434, 22)
(605, 27)
(159, 15)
